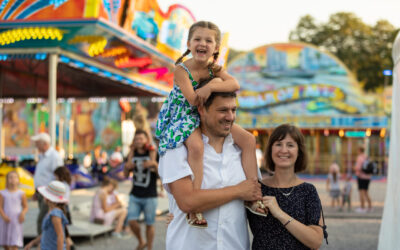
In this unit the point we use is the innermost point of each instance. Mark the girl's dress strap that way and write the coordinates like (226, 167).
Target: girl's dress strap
(211, 73)
(187, 70)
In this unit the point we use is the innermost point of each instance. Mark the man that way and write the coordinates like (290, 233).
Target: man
(49, 160)
(224, 185)
(143, 196)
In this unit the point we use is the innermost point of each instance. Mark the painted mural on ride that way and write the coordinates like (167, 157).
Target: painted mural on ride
(300, 84)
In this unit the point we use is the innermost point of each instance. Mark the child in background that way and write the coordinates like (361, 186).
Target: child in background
(346, 194)
(13, 207)
(332, 184)
(178, 121)
(63, 175)
(55, 222)
(107, 208)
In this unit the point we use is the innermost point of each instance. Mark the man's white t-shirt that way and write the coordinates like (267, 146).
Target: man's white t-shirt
(44, 171)
(227, 224)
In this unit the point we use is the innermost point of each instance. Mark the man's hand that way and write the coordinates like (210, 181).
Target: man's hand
(249, 190)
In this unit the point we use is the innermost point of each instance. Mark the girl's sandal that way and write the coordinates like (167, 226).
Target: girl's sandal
(192, 221)
(252, 207)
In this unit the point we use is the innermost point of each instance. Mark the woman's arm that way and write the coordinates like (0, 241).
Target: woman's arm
(327, 183)
(24, 208)
(311, 236)
(129, 165)
(152, 163)
(181, 79)
(58, 228)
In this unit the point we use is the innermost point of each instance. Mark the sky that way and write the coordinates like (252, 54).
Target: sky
(253, 23)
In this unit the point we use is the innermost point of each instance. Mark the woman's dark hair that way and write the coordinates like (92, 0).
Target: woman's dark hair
(279, 134)
(63, 174)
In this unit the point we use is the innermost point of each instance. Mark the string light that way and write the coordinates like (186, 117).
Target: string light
(128, 62)
(159, 71)
(112, 52)
(31, 33)
(383, 132)
(96, 43)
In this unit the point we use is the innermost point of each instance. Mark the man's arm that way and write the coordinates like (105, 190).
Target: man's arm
(190, 200)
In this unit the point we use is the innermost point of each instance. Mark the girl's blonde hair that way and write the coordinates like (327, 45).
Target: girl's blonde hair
(8, 174)
(208, 25)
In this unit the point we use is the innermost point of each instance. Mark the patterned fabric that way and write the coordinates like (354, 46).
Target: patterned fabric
(177, 118)
(303, 204)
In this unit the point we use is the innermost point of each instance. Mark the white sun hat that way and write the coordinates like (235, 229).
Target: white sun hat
(54, 192)
(41, 137)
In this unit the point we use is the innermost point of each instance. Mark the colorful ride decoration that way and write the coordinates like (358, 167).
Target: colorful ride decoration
(298, 83)
(167, 30)
(130, 35)
(25, 178)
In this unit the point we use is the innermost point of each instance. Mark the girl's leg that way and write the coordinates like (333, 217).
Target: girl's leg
(247, 143)
(120, 216)
(195, 151)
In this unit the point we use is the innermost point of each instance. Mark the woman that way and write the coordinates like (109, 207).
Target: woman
(107, 208)
(294, 220)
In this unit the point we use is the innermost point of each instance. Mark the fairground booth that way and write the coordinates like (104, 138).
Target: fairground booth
(81, 70)
(298, 83)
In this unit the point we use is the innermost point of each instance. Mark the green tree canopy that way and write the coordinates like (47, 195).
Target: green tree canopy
(366, 50)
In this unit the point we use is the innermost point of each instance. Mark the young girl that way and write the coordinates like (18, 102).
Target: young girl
(346, 194)
(55, 222)
(13, 207)
(63, 175)
(179, 120)
(107, 208)
(332, 184)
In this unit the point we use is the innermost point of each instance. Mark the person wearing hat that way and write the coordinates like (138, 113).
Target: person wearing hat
(55, 221)
(49, 160)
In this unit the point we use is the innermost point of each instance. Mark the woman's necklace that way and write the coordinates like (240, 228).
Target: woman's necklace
(285, 194)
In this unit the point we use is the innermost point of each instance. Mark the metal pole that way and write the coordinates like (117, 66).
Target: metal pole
(1, 131)
(53, 61)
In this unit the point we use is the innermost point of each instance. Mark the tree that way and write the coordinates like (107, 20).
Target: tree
(366, 50)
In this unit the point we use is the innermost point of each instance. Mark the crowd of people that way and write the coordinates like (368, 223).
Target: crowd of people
(208, 165)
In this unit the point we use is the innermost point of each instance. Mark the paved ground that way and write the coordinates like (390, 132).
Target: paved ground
(347, 230)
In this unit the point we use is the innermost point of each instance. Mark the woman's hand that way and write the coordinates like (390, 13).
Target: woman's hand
(272, 205)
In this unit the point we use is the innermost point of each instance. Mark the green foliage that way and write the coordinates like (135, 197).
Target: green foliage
(366, 50)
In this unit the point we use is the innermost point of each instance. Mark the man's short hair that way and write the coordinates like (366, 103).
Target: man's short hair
(204, 82)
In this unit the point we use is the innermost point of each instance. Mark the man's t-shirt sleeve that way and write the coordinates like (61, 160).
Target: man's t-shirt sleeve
(173, 166)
